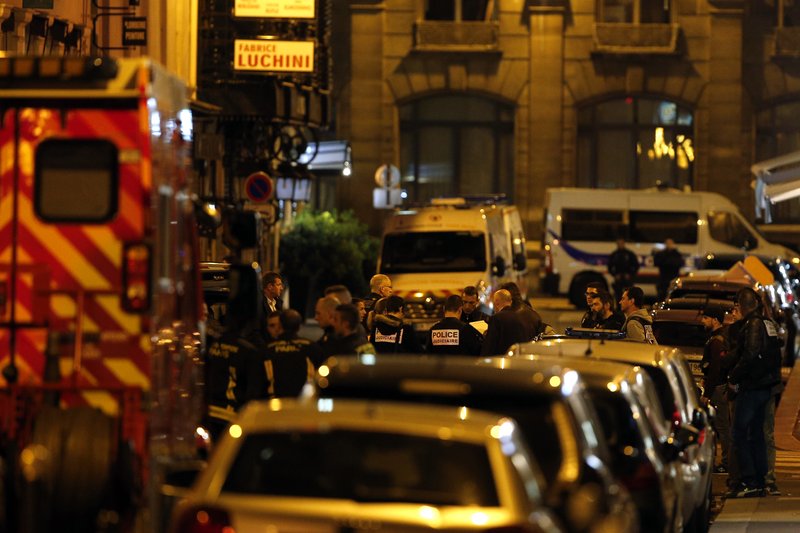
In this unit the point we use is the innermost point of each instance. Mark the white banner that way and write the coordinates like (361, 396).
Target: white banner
(290, 9)
(273, 56)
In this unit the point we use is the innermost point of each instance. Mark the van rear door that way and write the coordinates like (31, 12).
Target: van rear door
(67, 209)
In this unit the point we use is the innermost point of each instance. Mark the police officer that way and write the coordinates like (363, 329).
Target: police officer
(623, 266)
(450, 336)
(390, 334)
(290, 361)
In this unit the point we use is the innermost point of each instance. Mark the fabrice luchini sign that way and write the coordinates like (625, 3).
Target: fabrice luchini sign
(289, 9)
(273, 56)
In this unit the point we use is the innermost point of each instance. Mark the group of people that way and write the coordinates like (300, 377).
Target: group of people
(742, 379)
(632, 317)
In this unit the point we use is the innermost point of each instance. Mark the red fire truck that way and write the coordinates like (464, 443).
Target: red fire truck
(100, 306)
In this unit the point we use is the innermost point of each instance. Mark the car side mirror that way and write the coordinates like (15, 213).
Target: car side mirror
(499, 266)
(679, 440)
(699, 419)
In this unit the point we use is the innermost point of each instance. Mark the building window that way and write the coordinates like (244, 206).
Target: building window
(457, 10)
(778, 133)
(456, 144)
(635, 142)
(788, 13)
(635, 11)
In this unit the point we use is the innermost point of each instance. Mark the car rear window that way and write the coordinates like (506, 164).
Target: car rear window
(680, 333)
(363, 466)
(548, 430)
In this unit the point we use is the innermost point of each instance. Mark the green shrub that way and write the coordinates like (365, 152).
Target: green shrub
(326, 248)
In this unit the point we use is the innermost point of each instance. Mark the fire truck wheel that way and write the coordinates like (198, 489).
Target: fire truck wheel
(86, 462)
(48, 432)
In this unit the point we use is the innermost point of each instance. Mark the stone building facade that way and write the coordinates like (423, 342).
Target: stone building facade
(719, 76)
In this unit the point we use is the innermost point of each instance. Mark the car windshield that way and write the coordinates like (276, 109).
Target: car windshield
(363, 466)
(680, 333)
(435, 251)
(698, 293)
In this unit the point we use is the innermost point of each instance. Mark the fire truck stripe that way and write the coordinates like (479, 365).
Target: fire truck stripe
(93, 253)
(127, 372)
(104, 401)
(59, 272)
(83, 271)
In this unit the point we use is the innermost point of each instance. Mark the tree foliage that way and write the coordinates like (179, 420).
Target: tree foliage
(327, 248)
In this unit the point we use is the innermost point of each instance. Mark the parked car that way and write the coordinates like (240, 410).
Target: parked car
(644, 448)
(342, 465)
(681, 326)
(680, 402)
(694, 292)
(550, 405)
(786, 287)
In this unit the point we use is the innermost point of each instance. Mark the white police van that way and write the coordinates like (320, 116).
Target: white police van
(582, 226)
(435, 250)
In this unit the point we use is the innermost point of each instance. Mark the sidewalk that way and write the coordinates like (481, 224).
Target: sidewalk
(772, 514)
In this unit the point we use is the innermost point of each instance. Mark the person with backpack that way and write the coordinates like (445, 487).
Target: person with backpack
(715, 379)
(752, 378)
(638, 324)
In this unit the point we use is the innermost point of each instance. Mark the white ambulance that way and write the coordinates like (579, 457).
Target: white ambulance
(582, 226)
(435, 250)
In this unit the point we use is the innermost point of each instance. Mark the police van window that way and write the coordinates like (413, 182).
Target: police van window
(726, 227)
(592, 225)
(657, 226)
(76, 180)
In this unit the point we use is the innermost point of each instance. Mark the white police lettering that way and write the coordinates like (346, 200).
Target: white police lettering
(381, 337)
(444, 337)
(770, 325)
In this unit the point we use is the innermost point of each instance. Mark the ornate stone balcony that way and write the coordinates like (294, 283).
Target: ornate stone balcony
(449, 36)
(629, 38)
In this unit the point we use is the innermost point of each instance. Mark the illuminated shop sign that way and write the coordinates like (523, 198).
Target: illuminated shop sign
(273, 56)
(292, 9)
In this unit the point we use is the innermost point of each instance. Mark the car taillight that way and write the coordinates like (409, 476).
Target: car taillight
(204, 520)
(676, 416)
(644, 477)
(136, 277)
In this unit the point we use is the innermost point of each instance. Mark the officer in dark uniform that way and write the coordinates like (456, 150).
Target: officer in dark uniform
(450, 336)
(290, 361)
(623, 266)
(390, 334)
(234, 359)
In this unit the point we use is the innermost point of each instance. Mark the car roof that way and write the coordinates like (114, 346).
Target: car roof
(287, 414)
(697, 302)
(428, 373)
(640, 353)
(678, 315)
(592, 371)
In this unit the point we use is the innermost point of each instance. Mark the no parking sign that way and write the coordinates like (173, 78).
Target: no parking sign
(258, 187)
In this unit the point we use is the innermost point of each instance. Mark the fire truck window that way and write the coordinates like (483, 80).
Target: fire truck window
(76, 180)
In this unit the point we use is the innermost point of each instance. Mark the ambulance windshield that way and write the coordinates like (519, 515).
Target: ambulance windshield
(440, 251)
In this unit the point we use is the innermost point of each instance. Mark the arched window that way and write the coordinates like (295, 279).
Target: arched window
(778, 133)
(456, 144)
(635, 142)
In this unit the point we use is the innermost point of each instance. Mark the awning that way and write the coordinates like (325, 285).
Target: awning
(777, 180)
